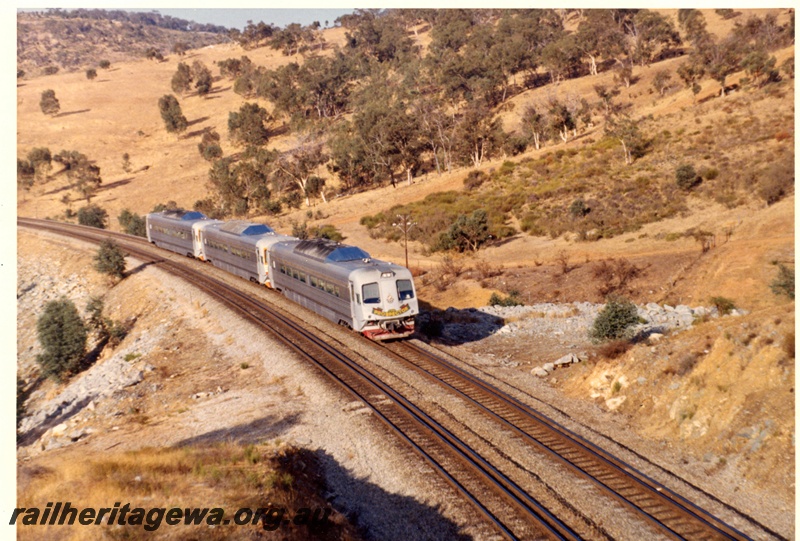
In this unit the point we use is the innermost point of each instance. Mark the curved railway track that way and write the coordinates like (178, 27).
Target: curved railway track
(509, 508)
(493, 491)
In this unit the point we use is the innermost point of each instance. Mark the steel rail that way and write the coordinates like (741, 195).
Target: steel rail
(656, 502)
(534, 513)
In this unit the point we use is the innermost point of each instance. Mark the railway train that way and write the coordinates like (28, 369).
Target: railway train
(339, 282)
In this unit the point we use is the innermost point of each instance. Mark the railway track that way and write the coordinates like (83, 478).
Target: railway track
(672, 514)
(493, 490)
(510, 509)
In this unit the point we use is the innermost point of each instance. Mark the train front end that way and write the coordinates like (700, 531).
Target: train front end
(385, 302)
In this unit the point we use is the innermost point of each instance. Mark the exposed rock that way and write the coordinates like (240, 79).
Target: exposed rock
(569, 358)
(539, 371)
(614, 403)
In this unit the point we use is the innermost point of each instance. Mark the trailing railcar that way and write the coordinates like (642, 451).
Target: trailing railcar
(174, 230)
(345, 285)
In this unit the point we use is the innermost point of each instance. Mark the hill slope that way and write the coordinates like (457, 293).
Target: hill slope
(73, 43)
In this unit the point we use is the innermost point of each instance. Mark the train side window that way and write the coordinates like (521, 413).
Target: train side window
(405, 290)
(372, 293)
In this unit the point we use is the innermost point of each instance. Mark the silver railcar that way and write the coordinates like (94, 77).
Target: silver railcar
(173, 230)
(234, 247)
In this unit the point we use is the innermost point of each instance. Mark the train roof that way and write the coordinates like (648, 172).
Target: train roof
(330, 251)
(241, 227)
(182, 215)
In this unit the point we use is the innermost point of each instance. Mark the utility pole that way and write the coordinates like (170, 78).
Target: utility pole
(405, 224)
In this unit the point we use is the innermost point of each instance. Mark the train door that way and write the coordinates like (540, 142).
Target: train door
(197, 242)
(355, 307)
(263, 265)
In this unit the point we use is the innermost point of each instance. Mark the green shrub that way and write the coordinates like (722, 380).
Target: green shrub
(117, 331)
(63, 335)
(93, 216)
(709, 173)
(511, 300)
(578, 208)
(726, 13)
(515, 145)
(783, 284)
(370, 222)
(110, 259)
(723, 305)
(615, 320)
(132, 223)
(211, 152)
(466, 233)
(105, 327)
(327, 231)
(300, 230)
(686, 177)
(475, 179)
(773, 189)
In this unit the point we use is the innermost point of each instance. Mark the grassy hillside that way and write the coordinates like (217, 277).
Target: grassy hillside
(577, 197)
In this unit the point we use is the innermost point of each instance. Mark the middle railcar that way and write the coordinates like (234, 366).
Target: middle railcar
(239, 247)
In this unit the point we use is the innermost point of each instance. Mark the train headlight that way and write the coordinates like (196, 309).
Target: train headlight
(387, 274)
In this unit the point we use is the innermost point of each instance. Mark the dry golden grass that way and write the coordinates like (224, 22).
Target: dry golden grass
(227, 476)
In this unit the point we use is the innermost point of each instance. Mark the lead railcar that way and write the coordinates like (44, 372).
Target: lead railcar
(345, 285)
